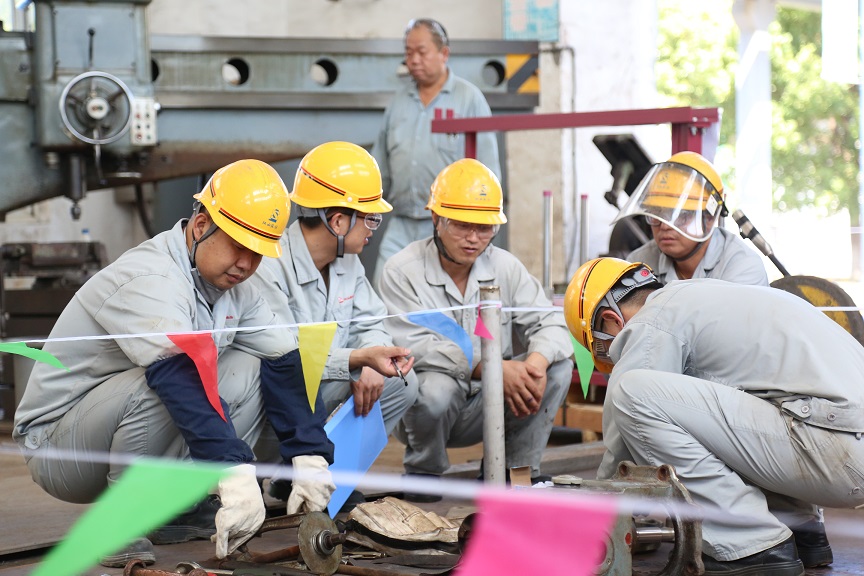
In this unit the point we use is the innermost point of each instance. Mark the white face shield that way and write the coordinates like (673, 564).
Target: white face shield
(678, 196)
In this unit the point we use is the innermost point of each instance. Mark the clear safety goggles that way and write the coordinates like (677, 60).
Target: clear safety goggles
(373, 220)
(679, 197)
(462, 230)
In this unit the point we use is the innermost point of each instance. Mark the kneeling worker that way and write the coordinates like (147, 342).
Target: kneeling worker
(142, 396)
(751, 393)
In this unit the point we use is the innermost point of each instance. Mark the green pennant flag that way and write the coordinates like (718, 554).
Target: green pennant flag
(584, 363)
(148, 495)
(36, 354)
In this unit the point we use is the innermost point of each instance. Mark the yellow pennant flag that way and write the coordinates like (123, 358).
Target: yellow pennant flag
(315, 341)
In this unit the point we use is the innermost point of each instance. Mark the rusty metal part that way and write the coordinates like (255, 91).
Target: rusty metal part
(289, 553)
(657, 482)
(138, 568)
(281, 523)
(320, 543)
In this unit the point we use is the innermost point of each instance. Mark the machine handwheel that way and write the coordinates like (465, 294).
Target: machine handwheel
(96, 108)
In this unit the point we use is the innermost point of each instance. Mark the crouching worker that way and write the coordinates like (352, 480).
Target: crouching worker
(127, 397)
(447, 270)
(752, 394)
(337, 191)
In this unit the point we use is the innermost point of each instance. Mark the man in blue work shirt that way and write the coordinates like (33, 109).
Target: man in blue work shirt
(409, 154)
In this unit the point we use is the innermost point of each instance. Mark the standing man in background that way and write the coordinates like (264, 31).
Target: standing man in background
(409, 155)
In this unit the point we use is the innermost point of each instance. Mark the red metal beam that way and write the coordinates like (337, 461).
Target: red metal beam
(687, 123)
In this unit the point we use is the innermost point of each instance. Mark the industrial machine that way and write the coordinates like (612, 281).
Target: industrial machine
(90, 100)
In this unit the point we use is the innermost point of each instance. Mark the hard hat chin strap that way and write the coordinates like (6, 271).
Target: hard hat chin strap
(208, 291)
(210, 231)
(440, 245)
(689, 254)
(340, 238)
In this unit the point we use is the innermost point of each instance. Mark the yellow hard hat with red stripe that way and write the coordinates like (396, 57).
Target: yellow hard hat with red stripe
(600, 283)
(468, 191)
(248, 201)
(339, 174)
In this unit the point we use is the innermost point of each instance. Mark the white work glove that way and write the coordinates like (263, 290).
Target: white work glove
(242, 511)
(312, 485)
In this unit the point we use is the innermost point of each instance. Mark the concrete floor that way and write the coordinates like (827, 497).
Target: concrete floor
(31, 521)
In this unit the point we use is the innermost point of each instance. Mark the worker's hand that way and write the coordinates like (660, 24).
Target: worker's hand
(242, 511)
(524, 385)
(367, 390)
(382, 359)
(312, 485)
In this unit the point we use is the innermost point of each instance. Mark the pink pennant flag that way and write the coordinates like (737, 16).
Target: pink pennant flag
(527, 532)
(202, 350)
(480, 328)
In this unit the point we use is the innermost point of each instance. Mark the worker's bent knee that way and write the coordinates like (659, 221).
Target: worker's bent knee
(437, 392)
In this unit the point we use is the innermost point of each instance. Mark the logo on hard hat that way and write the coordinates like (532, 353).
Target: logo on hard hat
(274, 219)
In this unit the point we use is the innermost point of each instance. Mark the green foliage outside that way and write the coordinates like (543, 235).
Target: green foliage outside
(815, 122)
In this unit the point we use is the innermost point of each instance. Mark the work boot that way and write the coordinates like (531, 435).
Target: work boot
(356, 497)
(197, 523)
(779, 560)
(813, 547)
(138, 549)
(421, 497)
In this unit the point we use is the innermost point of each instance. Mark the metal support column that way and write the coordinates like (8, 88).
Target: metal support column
(492, 381)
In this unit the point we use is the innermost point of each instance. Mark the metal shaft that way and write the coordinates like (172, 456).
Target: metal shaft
(492, 381)
(547, 242)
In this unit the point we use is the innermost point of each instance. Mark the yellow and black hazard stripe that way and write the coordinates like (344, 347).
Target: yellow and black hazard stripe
(522, 73)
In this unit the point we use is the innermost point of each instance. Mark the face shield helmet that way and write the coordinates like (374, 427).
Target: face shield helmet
(685, 193)
(598, 284)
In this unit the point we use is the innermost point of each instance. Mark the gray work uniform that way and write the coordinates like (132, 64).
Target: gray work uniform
(727, 258)
(411, 156)
(103, 404)
(753, 395)
(449, 408)
(350, 296)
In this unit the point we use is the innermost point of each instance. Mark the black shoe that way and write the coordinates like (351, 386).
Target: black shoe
(138, 549)
(199, 523)
(280, 489)
(779, 560)
(813, 547)
(421, 497)
(356, 497)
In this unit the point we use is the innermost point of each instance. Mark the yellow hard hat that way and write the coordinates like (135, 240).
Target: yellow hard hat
(600, 283)
(248, 201)
(339, 174)
(685, 193)
(467, 190)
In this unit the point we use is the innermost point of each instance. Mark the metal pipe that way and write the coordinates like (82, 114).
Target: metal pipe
(547, 242)
(492, 382)
(583, 229)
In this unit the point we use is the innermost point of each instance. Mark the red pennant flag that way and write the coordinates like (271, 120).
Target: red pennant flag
(538, 533)
(202, 350)
(480, 328)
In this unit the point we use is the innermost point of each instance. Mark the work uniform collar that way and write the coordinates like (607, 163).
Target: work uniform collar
(666, 265)
(482, 272)
(304, 265)
(448, 86)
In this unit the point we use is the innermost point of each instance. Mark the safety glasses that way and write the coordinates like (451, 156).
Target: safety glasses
(462, 230)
